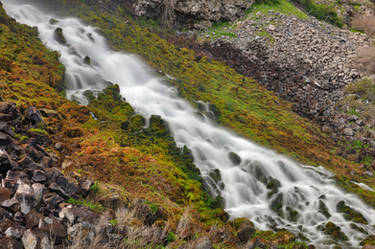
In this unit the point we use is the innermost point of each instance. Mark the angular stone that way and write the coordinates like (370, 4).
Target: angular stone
(39, 176)
(4, 139)
(5, 163)
(33, 218)
(52, 226)
(245, 231)
(14, 232)
(85, 186)
(11, 204)
(5, 194)
(33, 115)
(38, 190)
(78, 215)
(9, 243)
(52, 200)
(348, 132)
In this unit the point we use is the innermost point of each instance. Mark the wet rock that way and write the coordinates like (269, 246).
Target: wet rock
(59, 36)
(350, 213)
(292, 214)
(335, 231)
(324, 209)
(215, 175)
(234, 158)
(277, 205)
(87, 60)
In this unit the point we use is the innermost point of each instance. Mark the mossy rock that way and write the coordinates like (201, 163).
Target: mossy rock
(358, 228)
(334, 231)
(53, 21)
(238, 222)
(350, 213)
(292, 214)
(324, 209)
(369, 240)
(215, 175)
(87, 60)
(59, 36)
(273, 185)
(234, 158)
(277, 204)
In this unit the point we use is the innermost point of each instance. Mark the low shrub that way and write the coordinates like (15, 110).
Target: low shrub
(365, 23)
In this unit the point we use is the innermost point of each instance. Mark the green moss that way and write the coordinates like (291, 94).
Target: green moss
(171, 237)
(335, 231)
(281, 6)
(93, 206)
(95, 188)
(40, 131)
(323, 12)
(350, 213)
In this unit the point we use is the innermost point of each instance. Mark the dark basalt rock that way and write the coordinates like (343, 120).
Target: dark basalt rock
(234, 158)
(148, 212)
(33, 115)
(59, 36)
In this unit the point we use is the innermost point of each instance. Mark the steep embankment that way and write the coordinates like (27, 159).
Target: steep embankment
(114, 150)
(239, 102)
(97, 153)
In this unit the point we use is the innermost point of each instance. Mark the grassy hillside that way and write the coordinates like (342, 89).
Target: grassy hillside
(115, 151)
(238, 101)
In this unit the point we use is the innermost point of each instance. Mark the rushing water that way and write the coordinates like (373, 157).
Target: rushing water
(243, 182)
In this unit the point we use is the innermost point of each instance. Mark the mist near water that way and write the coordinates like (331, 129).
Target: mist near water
(237, 169)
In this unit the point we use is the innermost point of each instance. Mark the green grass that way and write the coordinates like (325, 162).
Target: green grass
(323, 12)
(93, 206)
(220, 29)
(281, 6)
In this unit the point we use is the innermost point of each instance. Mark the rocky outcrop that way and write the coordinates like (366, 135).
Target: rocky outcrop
(197, 14)
(33, 190)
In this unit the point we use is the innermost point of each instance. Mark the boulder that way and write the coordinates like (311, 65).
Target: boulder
(78, 215)
(52, 226)
(33, 115)
(5, 163)
(148, 212)
(5, 194)
(33, 218)
(36, 239)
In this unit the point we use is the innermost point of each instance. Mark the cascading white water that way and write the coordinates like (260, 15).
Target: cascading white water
(246, 169)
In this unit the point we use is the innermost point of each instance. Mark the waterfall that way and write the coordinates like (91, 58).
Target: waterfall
(272, 190)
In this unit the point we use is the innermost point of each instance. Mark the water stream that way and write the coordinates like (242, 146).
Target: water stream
(246, 169)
